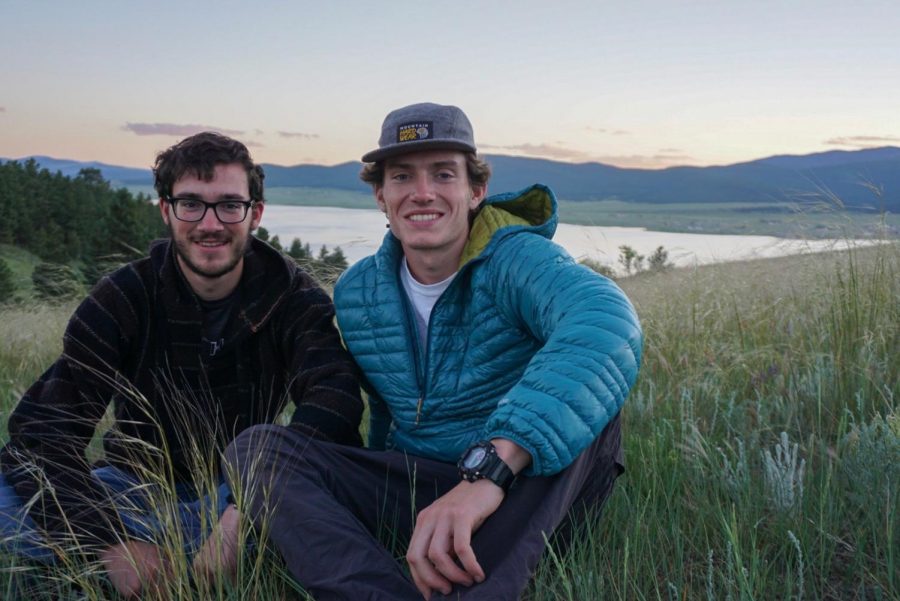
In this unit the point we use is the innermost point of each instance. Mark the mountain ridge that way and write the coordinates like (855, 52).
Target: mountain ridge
(867, 179)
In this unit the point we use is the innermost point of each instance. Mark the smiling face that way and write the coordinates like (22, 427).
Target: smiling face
(211, 253)
(427, 198)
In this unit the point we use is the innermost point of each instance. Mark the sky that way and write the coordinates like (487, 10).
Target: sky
(643, 83)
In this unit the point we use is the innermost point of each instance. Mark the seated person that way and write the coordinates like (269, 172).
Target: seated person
(214, 332)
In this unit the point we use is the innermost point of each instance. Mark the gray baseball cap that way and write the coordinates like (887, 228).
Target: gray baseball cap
(423, 126)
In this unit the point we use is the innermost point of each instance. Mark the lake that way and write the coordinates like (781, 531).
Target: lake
(359, 232)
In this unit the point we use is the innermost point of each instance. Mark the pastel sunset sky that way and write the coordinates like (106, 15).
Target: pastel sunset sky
(643, 83)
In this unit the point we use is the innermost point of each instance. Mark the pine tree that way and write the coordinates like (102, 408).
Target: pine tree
(7, 285)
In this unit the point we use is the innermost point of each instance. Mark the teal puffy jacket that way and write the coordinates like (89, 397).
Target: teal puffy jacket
(524, 344)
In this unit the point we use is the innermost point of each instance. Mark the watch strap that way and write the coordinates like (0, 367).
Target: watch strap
(492, 467)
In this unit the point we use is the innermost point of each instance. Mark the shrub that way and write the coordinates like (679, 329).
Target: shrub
(56, 282)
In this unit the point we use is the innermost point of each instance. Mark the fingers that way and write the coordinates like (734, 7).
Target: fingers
(218, 555)
(134, 566)
(462, 548)
(442, 555)
(424, 576)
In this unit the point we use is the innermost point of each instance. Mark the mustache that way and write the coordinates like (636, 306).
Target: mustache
(210, 238)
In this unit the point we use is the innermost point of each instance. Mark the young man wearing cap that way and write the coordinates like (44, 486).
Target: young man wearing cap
(211, 333)
(495, 366)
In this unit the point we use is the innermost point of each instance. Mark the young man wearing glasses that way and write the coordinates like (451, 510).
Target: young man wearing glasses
(212, 333)
(496, 368)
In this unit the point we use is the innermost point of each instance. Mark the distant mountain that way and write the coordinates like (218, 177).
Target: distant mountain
(123, 176)
(848, 177)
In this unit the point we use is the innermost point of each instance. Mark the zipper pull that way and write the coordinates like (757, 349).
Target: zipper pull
(419, 409)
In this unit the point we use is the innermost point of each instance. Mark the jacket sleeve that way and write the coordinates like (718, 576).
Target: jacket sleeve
(579, 379)
(54, 422)
(324, 378)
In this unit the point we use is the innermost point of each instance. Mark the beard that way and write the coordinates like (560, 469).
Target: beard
(184, 244)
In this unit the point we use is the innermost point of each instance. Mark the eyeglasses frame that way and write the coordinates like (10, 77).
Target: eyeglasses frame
(173, 201)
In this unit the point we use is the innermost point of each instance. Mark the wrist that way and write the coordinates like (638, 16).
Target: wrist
(482, 462)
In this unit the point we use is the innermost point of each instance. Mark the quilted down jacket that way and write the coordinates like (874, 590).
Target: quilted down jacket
(524, 344)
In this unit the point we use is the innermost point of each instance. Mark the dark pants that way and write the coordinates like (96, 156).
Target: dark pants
(333, 510)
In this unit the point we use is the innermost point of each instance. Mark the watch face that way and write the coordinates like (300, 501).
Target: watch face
(474, 458)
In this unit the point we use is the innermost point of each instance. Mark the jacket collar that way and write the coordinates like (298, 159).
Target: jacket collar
(266, 280)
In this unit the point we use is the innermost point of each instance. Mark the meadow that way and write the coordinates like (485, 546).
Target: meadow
(762, 443)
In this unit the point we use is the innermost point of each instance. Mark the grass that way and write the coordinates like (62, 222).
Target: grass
(762, 440)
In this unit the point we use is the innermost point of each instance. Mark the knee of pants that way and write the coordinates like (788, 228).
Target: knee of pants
(258, 457)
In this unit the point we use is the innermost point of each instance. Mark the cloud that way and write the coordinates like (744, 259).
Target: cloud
(603, 130)
(2, 109)
(641, 161)
(863, 141)
(297, 134)
(252, 144)
(543, 150)
(666, 157)
(174, 129)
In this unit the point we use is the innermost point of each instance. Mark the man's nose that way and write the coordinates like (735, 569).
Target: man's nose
(424, 190)
(210, 221)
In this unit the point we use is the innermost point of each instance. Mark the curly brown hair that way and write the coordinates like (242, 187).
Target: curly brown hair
(198, 155)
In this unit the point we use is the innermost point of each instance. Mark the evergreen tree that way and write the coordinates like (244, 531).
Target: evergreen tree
(336, 259)
(298, 251)
(276, 243)
(7, 285)
(659, 260)
(630, 259)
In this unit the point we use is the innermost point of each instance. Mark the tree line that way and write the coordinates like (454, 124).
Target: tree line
(81, 228)
(63, 219)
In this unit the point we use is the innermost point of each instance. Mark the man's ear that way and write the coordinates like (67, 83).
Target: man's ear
(379, 199)
(478, 194)
(164, 210)
(256, 212)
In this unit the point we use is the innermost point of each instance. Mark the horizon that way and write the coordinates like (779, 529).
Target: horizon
(648, 86)
(487, 155)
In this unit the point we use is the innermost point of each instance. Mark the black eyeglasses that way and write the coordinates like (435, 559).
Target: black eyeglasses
(194, 209)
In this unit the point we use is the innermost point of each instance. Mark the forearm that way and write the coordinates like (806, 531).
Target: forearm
(325, 384)
(513, 455)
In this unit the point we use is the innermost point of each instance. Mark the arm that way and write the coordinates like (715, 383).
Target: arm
(53, 423)
(591, 349)
(324, 378)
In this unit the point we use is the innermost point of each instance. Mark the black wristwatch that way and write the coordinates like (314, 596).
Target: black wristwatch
(481, 461)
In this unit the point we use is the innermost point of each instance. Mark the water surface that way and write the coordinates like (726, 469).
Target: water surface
(359, 233)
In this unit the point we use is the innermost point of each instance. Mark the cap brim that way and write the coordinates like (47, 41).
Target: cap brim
(407, 147)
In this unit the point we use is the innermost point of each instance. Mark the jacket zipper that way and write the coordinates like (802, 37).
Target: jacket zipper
(413, 343)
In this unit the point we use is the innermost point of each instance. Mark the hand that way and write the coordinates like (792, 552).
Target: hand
(133, 565)
(443, 536)
(218, 555)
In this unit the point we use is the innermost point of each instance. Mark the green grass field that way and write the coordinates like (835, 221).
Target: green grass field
(762, 440)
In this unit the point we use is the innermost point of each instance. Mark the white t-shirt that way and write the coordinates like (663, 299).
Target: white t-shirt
(422, 298)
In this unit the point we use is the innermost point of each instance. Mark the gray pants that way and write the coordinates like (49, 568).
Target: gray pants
(333, 511)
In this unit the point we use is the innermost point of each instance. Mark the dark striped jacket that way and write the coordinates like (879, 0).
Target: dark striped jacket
(135, 342)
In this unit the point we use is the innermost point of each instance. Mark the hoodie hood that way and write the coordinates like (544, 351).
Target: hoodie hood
(534, 209)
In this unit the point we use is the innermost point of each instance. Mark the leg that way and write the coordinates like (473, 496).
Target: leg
(322, 505)
(143, 508)
(18, 532)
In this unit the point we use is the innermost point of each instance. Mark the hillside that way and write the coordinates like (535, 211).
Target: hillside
(837, 178)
